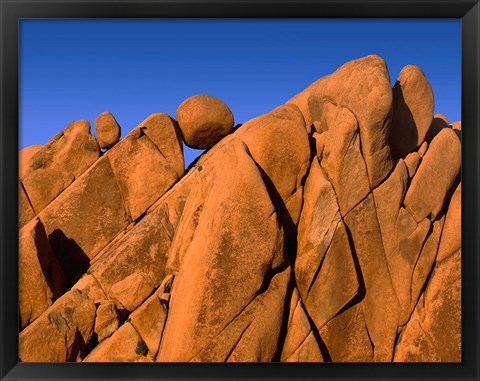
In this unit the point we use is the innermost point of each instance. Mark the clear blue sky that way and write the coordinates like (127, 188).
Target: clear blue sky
(75, 69)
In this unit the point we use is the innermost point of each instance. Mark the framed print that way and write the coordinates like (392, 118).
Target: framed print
(239, 190)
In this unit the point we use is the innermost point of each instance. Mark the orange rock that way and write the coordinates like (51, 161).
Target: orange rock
(363, 87)
(380, 304)
(388, 198)
(341, 157)
(300, 343)
(204, 120)
(85, 218)
(279, 144)
(346, 337)
(24, 157)
(149, 320)
(439, 122)
(318, 221)
(144, 248)
(435, 176)
(61, 333)
(326, 297)
(59, 162)
(106, 321)
(451, 240)
(37, 266)
(219, 276)
(125, 345)
(412, 161)
(412, 110)
(143, 172)
(89, 286)
(107, 129)
(433, 334)
(132, 291)
(25, 210)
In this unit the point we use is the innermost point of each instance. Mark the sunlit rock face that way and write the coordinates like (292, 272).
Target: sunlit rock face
(328, 229)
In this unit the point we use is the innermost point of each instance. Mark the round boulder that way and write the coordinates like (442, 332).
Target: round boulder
(204, 120)
(107, 129)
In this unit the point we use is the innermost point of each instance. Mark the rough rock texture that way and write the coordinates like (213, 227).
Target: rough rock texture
(204, 120)
(107, 129)
(412, 110)
(297, 237)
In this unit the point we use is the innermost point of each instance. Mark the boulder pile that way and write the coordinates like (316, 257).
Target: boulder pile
(328, 229)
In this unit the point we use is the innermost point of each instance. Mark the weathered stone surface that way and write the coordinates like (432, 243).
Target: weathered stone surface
(107, 129)
(318, 222)
(346, 337)
(41, 279)
(443, 312)
(380, 305)
(425, 262)
(412, 160)
(132, 291)
(325, 298)
(341, 156)
(106, 321)
(439, 122)
(25, 210)
(433, 334)
(423, 149)
(253, 335)
(24, 157)
(279, 144)
(88, 285)
(144, 248)
(300, 343)
(59, 162)
(401, 264)
(142, 171)
(363, 87)
(125, 345)
(451, 240)
(85, 218)
(227, 261)
(388, 198)
(149, 320)
(435, 176)
(204, 120)
(61, 333)
(412, 110)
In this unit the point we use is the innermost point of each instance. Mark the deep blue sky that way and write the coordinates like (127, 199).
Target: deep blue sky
(75, 69)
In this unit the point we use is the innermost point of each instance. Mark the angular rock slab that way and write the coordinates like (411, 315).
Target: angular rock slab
(362, 86)
(279, 144)
(435, 176)
(228, 260)
(451, 240)
(434, 332)
(143, 171)
(85, 218)
(300, 343)
(412, 110)
(120, 347)
(59, 162)
(25, 209)
(132, 291)
(318, 222)
(41, 279)
(341, 156)
(380, 305)
(336, 281)
(346, 337)
(61, 333)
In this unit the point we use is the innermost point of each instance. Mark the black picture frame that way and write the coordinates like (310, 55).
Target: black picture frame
(13, 10)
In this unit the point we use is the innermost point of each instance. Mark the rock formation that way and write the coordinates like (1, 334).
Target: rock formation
(325, 230)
